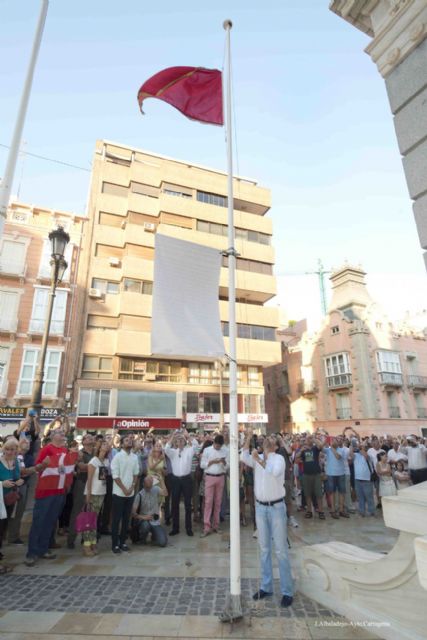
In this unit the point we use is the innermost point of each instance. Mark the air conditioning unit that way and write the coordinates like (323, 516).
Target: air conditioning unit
(95, 293)
(150, 377)
(149, 226)
(114, 262)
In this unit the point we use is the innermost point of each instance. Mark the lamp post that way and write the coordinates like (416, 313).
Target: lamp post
(59, 239)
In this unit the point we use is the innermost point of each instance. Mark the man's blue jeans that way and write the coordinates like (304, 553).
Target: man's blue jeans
(272, 531)
(365, 495)
(45, 514)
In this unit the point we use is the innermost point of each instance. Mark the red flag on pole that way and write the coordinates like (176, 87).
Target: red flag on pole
(195, 91)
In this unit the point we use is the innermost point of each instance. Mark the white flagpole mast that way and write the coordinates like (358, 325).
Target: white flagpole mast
(234, 606)
(7, 181)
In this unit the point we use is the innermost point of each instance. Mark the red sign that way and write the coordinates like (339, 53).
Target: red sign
(85, 423)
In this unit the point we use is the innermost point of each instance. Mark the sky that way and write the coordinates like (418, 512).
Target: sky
(311, 114)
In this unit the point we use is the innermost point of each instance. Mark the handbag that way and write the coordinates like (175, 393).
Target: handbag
(12, 497)
(86, 520)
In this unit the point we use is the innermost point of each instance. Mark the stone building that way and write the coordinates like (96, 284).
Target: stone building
(358, 370)
(24, 287)
(135, 194)
(399, 49)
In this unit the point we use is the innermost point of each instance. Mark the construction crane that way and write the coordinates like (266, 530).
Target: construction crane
(320, 273)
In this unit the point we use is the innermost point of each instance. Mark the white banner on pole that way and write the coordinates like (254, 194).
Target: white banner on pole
(185, 317)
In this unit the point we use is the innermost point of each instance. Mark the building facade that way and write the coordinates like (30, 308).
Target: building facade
(358, 370)
(25, 275)
(134, 195)
(399, 49)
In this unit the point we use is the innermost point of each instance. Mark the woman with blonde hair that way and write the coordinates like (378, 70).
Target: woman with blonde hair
(95, 490)
(10, 478)
(156, 468)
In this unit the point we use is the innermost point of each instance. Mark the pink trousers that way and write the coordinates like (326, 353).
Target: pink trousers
(214, 487)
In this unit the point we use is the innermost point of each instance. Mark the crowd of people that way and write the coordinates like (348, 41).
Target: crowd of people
(132, 485)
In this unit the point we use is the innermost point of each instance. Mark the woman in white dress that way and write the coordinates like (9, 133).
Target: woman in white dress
(383, 469)
(402, 477)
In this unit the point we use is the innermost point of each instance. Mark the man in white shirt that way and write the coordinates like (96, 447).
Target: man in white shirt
(125, 473)
(269, 471)
(394, 455)
(214, 462)
(417, 459)
(181, 458)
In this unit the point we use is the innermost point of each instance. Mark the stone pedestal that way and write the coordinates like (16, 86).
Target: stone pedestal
(388, 590)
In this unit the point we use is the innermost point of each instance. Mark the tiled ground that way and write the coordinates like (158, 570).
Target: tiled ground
(173, 592)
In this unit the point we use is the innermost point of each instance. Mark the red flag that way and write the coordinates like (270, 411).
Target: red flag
(58, 475)
(195, 91)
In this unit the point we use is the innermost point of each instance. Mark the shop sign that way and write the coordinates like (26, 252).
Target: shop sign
(92, 423)
(208, 418)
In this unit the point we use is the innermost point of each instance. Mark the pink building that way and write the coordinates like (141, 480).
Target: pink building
(358, 370)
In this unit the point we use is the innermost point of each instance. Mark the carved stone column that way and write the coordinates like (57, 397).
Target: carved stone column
(399, 49)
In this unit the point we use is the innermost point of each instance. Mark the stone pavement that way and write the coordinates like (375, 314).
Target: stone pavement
(173, 592)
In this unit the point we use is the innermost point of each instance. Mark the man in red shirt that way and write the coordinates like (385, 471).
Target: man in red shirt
(51, 489)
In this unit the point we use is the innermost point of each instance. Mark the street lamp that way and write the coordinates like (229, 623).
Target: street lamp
(59, 239)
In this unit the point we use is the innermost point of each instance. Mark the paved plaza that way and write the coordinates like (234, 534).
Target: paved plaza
(173, 592)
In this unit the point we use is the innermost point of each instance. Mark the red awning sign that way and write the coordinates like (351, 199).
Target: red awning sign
(86, 423)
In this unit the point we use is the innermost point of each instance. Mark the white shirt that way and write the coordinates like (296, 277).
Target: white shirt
(181, 459)
(346, 451)
(268, 482)
(99, 487)
(210, 453)
(417, 456)
(372, 453)
(395, 456)
(124, 466)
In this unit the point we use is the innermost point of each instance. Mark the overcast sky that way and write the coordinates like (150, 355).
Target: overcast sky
(312, 118)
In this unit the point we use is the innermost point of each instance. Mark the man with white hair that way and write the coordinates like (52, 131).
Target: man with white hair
(181, 457)
(417, 459)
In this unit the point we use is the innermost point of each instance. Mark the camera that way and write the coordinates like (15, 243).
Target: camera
(155, 516)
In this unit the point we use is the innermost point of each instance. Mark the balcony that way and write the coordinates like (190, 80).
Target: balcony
(394, 412)
(11, 268)
(344, 414)
(307, 387)
(391, 379)
(417, 382)
(422, 414)
(341, 381)
(56, 327)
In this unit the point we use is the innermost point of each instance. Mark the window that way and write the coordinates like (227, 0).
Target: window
(192, 402)
(30, 362)
(253, 377)
(9, 301)
(4, 359)
(212, 403)
(12, 257)
(388, 361)
(97, 367)
(45, 270)
(251, 331)
(149, 404)
(138, 286)
(111, 189)
(111, 220)
(210, 227)
(149, 370)
(343, 406)
(250, 265)
(419, 403)
(179, 194)
(105, 286)
(94, 402)
(337, 370)
(252, 404)
(40, 304)
(102, 322)
(144, 189)
(212, 198)
(202, 373)
(335, 330)
(393, 404)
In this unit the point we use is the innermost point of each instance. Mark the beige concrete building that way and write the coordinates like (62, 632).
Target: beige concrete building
(135, 194)
(358, 370)
(24, 287)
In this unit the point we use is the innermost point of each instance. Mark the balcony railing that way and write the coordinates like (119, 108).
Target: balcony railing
(340, 381)
(10, 268)
(56, 327)
(307, 387)
(391, 379)
(422, 414)
(7, 325)
(344, 414)
(394, 412)
(417, 382)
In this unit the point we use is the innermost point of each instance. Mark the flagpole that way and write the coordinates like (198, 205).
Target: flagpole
(7, 181)
(233, 609)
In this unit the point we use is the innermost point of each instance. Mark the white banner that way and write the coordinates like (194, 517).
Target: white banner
(185, 320)
(208, 418)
